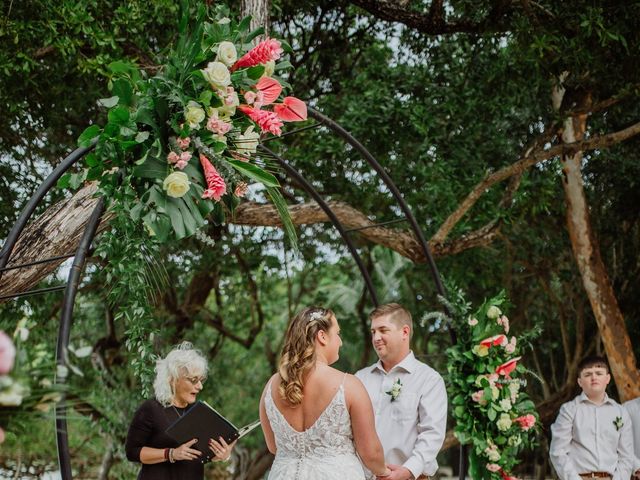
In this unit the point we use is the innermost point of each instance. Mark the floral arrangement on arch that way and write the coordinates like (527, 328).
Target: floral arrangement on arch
(493, 414)
(181, 146)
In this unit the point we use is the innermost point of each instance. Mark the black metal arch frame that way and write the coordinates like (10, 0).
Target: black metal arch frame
(75, 274)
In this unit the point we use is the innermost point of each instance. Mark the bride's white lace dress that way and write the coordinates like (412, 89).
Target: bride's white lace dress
(324, 451)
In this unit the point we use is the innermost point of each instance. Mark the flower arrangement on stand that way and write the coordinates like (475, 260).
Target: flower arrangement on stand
(493, 414)
(181, 145)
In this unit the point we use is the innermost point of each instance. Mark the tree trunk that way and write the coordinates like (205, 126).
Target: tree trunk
(259, 11)
(592, 269)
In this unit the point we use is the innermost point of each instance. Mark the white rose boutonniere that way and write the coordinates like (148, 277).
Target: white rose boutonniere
(396, 388)
(618, 423)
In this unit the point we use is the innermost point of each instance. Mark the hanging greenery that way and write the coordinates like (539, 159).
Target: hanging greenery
(180, 146)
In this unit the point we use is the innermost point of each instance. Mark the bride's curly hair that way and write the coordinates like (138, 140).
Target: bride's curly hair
(299, 352)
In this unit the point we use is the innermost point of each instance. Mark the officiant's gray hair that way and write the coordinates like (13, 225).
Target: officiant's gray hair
(182, 361)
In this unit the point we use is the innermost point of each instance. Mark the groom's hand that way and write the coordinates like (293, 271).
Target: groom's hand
(398, 472)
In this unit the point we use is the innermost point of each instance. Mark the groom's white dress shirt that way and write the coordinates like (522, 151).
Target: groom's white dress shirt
(412, 427)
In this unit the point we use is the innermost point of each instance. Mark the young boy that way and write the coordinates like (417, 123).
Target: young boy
(591, 438)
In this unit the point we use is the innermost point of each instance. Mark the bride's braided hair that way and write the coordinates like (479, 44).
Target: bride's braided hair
(299, 352)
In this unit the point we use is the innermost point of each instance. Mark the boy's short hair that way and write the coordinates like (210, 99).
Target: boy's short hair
(592, 361)
(397, 314)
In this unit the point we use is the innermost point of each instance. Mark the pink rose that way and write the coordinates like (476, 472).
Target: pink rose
(511, 346)
(250, 97)
(504, 321)
(493, 467)
(526, 421)
(173, 157)
(183, 143)
(7, 353)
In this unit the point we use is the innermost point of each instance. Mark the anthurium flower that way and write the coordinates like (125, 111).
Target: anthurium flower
(494, 341)
(270, 89)
(291, 110)
(506, 368)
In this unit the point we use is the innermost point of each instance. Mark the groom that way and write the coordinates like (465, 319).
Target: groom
(409, 397)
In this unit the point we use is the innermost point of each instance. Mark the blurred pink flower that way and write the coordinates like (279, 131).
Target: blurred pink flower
(506, 368)
(216, 187)
(493, 341)
(511, 346)
(7, 353)
(504, 321)
(173, 157)
(183, 143)
(493, 467)
(1, 435)
(526, 421)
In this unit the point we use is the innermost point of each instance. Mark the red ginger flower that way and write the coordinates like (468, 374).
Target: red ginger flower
(216, 187)
(267, 121)
(266, 50)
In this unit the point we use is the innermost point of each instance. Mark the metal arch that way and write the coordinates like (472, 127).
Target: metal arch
(335, 127)
(292, 172)
(62, 347)
(27, 211)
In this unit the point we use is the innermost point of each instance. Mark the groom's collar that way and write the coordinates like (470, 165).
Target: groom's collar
(408, 364)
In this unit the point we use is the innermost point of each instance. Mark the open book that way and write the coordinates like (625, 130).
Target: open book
(203, 422)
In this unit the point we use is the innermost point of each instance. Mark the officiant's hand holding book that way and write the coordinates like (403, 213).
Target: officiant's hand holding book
(214, 434)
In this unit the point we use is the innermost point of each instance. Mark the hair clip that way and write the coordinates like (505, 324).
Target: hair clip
(316, 315)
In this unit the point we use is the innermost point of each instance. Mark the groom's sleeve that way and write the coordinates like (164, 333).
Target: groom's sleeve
(432, 427)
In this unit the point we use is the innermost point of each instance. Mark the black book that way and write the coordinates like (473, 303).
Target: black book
(203, 422)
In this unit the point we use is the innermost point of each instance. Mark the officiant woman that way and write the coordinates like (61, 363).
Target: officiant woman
(179, 379)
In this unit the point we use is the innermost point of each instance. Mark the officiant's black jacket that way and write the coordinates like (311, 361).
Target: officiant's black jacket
(147, 430)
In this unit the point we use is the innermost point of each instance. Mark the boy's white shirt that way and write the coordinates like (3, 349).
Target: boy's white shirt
(584, 439)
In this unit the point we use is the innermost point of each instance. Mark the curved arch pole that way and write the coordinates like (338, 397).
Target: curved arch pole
(62, 352)
(292, 172)
(392, 187)
(37, 197)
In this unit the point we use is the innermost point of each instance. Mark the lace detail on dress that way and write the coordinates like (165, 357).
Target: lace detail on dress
(328, 443)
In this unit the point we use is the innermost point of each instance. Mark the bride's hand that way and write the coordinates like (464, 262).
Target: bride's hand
(387, 472)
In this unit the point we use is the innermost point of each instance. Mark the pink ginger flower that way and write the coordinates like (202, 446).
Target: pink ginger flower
(241, 189)
(266, 50)
(7, 353)
(173, 157)
(183, 143)
(267, 121)
(493, 467)
(216, 187)
(526, 421)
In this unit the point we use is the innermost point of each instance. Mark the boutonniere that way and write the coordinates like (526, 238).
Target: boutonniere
(618, 423)
(396, 388)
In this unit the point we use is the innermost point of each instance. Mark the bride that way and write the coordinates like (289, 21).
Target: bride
(314, 417)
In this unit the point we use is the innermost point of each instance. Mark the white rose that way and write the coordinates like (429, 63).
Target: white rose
(247, 143)
(12, 397)
(269, 68)
(493, 312)
(217, 74)
(493, 455)
(176, 184)
(227, 53)
(194, 114)
(504, 422)
(505, 405)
